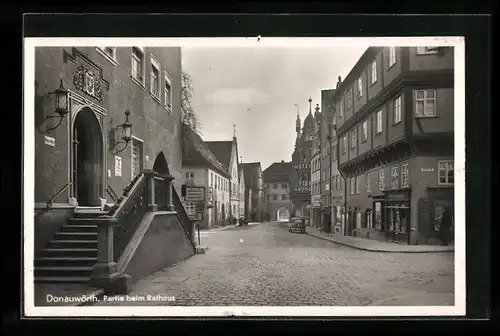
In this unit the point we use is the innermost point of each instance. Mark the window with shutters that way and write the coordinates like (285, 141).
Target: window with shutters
(137, 149)
(381, 180)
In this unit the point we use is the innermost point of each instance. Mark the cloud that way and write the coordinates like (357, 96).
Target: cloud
(245, 96)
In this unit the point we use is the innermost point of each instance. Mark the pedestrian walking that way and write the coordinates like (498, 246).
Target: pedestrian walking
(445, 225)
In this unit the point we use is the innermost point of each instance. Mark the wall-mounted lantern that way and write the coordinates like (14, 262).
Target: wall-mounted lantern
(126, 129)
(61, 107)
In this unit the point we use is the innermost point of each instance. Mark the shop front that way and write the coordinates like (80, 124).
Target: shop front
(392, 214)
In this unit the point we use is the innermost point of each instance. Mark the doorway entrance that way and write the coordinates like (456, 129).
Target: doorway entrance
(283, 214)
(88, 160)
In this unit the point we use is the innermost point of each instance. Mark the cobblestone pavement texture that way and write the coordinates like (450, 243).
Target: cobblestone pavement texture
(265, 265)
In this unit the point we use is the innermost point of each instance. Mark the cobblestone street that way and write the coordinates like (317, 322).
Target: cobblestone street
(266, 265)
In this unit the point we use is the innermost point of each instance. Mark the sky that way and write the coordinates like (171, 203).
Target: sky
(256, 89)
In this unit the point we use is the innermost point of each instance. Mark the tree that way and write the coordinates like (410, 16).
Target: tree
(188, 115)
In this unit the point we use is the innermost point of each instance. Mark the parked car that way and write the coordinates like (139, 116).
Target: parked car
(243, 221)
(297, 225)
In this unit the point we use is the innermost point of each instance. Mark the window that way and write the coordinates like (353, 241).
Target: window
(368, 183)
(425, 103)
(155, 78)
(109, 53)
(344, 144)
(445, 172)
(168, 94)
(275, 197)
(352, 182)
(349, 98)
(392, 56)
(397, 110)
(275, 186)
(353, 138)
(189, 178)
(360, 87)
(211, 179)
(138, 64)
(381, 180)
(364, 134)
(284, 186)
(374, 71)
(358, 183)
(394, 177)
(378, 115)
(404, 175)
(426, 50)
(268, 197)
(341, 108)
(136, 157)
(283, 197)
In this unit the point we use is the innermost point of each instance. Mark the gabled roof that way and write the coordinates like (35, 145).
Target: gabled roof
(278, 172)
(222, 151)
(250, 174)
(197, 154)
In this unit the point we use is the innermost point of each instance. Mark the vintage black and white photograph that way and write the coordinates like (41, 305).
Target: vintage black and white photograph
(263, 176)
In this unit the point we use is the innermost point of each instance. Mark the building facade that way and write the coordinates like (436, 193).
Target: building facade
(277, 191)
(227, 153)
(301, 160)
(202, 169)
(316, 187)
(254, 195)
(242, 200)
(84, 160)
(394, 117)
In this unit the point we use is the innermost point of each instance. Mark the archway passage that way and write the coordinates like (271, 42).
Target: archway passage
(283, 214)
(160, 165)
(87, 159)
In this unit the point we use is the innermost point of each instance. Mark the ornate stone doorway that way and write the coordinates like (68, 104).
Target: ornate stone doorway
(282, 214)
(88, 159)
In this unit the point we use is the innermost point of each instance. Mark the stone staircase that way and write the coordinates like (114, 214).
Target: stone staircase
(70, 256)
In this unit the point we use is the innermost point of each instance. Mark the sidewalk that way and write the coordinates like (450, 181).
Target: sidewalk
(377, 246)
(227, 227)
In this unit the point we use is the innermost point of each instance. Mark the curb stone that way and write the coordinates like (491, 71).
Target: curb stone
(375, 249)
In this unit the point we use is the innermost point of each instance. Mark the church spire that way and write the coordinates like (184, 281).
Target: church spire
(310, 101)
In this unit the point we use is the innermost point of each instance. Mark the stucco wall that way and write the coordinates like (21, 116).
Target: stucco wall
(163, 245)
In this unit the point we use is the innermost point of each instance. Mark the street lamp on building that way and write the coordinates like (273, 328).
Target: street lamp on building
(61, 107)
(126, 129)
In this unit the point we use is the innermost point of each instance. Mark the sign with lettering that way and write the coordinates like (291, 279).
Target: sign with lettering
(196, 194)
(118, 166)
(426, 169)
(302, 188)
(303, 166)
(50, 141)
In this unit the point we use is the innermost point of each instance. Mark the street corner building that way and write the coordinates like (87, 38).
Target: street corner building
(203, 168)
(300, 194)
(277, 191)
(108, 164)
(254, 191)
(394, 117)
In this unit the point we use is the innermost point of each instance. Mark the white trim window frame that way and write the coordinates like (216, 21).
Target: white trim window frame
(168, 92)
(405, 172)
(353, 138)
(344, 144)
(381, 180)
(352, 186)
(394, 177)
(136, 156)
(374, 72)
(358, 182)
(446, 175)
(397, 110)
(359, 86)
(154, 77)
(368, 183)
(138, 66)
(426, 51)
(425, 103)
(378, 116)
(349, 98)
(341, 107)
(108, 53)
(392, 56)
(364, 133)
